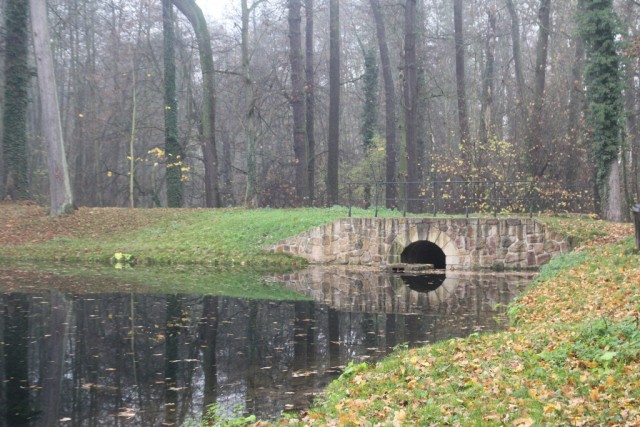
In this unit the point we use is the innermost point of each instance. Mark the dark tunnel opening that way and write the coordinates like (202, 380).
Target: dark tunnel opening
(424, 252)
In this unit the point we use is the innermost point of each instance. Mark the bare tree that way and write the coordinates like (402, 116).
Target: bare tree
(389, 102)
(334, 102)
(310, 97)
(536, 159)
(464, 134)
(410, 103)
(194, 14)
(61, 198)
(297, 101)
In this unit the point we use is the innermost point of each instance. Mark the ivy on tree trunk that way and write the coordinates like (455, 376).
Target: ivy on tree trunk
(173, 150)
(17, 77)
(597, 23)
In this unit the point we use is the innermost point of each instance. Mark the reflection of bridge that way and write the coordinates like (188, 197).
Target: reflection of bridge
(454, 243)
(369, 291)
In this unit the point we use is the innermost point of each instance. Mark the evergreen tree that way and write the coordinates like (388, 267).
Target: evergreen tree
(597, 23)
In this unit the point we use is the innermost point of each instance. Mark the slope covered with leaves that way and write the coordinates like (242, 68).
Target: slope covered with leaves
(572, 357)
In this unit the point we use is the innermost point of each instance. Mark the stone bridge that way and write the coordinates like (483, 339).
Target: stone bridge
(451, 243)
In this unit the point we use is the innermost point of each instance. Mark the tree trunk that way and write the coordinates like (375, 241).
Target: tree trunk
(631, 100)
(536, 140)
(334, 102)
(251, 193)
(598, 22)
(487, 129)
(390, 105)
(297, 102)
(15, 184)
(173, 150)
(61, 198)
(310, 99)
(410, 102)
(517, 63)
(194, 14)
(574, 128)
(464, 134)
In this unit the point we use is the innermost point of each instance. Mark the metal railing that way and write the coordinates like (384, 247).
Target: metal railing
(456, 197)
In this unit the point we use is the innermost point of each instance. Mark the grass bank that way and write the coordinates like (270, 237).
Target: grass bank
(225, 238)
(572, 357)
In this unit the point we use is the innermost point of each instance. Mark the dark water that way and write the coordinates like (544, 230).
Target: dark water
(149, 360)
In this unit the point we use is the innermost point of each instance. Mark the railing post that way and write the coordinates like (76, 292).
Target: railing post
(350, 199)
(376, 199)
(435, 198)
(404, 207)
(495, 199)
(636, 222)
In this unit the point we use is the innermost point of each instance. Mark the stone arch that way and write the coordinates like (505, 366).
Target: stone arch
(418, 237)
(424, 252)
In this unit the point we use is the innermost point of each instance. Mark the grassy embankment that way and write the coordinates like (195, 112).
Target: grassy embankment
(571, 357)
(191, 250)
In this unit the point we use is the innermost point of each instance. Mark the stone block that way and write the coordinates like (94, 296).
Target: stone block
(519, 246)
(543, 259)
(514, 258)
(506, 241)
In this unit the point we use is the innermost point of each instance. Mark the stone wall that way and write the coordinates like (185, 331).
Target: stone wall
(472, 243)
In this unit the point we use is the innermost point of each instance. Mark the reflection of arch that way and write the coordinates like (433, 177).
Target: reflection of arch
(424, 282)
(424, 252)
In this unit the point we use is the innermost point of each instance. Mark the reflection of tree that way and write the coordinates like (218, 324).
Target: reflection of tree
(52, 358)
(172, 337)
(16, 356)
(208, 341)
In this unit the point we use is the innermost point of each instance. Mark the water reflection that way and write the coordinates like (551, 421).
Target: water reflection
(424, 282)
(149, 360)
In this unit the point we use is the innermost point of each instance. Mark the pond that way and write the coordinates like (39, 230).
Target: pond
(149, 359)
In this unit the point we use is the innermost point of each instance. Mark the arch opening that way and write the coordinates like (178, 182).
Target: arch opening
(424, 252)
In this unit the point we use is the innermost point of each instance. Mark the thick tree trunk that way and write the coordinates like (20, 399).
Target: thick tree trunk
(390, 105)
(410, 103)
(574, 128)
(517, 63)
(464, 134)
(61, 198)
(537, 160)
(173, 150)
(251, 193)
(297, 102)
(310, 98)
(194, 14)
(612, 194)
(631, 101)
(15, 184)
(487, 128)
(334, 102)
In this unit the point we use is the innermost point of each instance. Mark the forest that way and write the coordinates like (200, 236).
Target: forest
(287, 103)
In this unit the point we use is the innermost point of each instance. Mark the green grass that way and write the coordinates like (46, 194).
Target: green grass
(225, 237)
